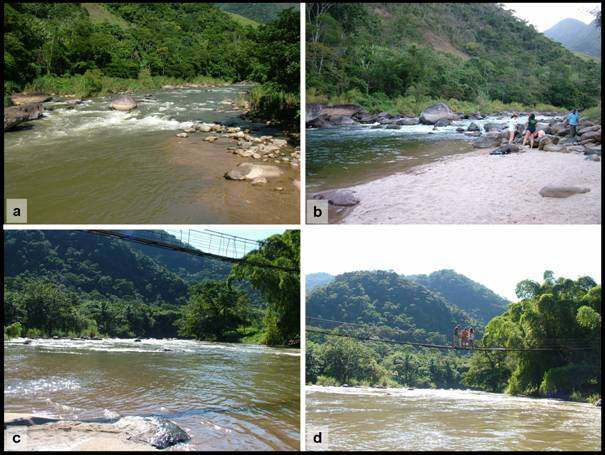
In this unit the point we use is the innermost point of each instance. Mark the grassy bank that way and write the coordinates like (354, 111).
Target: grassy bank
(269, 103)
(413, 105)
(95, 83)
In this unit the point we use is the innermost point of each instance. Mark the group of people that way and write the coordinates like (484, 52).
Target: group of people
(531, 127)
(463, 338)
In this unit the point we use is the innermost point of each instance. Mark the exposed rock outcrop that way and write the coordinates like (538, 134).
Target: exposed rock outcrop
(16, 115)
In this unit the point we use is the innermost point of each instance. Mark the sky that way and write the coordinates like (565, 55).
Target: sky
(495, 256)
(247, 233)
(544, 15)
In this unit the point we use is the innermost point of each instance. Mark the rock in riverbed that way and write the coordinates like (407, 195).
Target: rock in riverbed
(506, 149)
(124, 103)
(251, 171)
(562, 191)
(15, 115)
(345, 198)
(157, 431)
(487, 140)
(19, 99)
(436, 112)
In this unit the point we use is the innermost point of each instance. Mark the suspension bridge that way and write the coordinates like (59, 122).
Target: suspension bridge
(567, 344)
(206, 243)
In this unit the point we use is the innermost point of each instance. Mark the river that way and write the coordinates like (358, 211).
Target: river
(91, 164)
(458, 420)
(226, 396)
(351, 155)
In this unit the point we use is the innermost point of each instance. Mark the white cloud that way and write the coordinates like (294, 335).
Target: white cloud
(545, 15)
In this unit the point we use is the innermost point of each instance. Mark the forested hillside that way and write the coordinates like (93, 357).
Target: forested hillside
(89, 49)
(399, 307)
(313, 280)
(259, 12)
(474, 298)
(74, 283)
(405, 56)
(577, 36)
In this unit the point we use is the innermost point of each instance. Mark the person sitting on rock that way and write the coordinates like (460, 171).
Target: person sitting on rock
(530, 130)
(572, 120)
(512, 127)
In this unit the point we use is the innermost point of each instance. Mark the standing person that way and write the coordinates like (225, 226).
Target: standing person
(512, 127)
(530, 130)
(573, 120)
(471, 337)
(456, 340)
(463, 338)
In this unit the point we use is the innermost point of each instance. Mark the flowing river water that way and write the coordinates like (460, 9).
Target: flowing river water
(460, 420)
(91, 164)
(226, 396)
(350, 155)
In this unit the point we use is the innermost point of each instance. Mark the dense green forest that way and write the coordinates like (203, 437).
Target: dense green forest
(472, 297)
(403, 57)
(85, 49)
(75, 283)
(558, 312)
(387, 305)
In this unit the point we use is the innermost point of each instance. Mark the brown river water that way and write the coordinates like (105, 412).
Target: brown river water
(226, 396)
(90, 164)
(461, 420)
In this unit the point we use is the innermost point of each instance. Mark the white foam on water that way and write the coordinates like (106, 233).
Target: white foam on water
(42, 385)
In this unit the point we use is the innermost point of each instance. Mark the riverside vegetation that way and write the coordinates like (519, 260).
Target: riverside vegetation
(75, 284)
(384, 305)
(403, 57)
(91, 49)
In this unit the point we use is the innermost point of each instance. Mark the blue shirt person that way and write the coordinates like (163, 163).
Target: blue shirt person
(573, 119)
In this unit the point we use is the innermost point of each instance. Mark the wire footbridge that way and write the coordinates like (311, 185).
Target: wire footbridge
(553, 345)
(206, 243)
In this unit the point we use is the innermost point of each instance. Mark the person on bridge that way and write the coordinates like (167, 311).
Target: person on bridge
(471, 337)
(456, 337)
(464, 338)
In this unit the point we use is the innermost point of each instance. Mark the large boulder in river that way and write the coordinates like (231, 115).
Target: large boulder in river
(473, 127)
(343, 198)
(437, 112)
(337, 110)
(15, 115)
(160, 432)
(312, 111)
(251, 171)
(492, 126)
(124, 103)
(18, 99)
(407, 121)
(488, 140)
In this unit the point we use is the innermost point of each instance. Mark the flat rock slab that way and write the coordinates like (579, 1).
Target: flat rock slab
(251, 171)
(21, 98)
(127, 434)
(562, 191)
(344, 198)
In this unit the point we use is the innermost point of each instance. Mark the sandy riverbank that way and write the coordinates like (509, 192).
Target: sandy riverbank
(478, 188)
